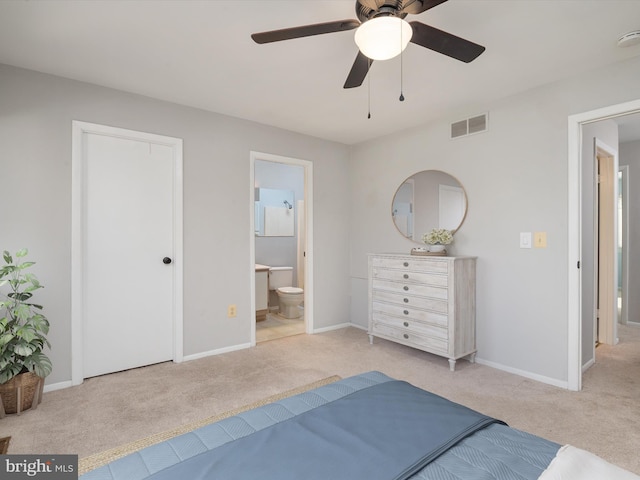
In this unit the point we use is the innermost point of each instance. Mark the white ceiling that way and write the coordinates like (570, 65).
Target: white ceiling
(199, 53)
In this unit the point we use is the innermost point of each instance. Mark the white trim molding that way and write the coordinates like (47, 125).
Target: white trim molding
(219, 351)
(523, 373)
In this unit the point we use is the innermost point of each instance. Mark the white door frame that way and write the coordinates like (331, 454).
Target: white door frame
(574, 235)
(79, 129)
(308, 214)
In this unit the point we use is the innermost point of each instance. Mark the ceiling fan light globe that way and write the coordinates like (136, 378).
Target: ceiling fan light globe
(382, 38)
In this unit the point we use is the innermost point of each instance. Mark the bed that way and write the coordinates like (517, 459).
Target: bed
(369, 426)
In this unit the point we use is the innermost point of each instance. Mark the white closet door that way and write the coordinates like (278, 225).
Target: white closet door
(128, 288)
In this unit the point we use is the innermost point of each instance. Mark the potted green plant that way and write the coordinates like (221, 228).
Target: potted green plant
(23, 331)
(438, 239)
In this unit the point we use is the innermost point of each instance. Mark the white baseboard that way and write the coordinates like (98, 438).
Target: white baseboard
(588, 365)
(332, 327)
(57, 386)
(60, 385)
(523, 373)
(219, 351)
(355, 325)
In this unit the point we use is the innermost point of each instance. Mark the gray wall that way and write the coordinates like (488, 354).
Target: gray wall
(629, 154)
(516, 178)
(36, 112)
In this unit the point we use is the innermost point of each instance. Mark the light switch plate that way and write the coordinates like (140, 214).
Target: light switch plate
(540, 239)
(525, 239)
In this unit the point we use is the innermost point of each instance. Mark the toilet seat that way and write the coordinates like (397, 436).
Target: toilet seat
(290, 290)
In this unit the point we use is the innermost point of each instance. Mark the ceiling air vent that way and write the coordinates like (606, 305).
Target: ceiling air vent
(469, 126)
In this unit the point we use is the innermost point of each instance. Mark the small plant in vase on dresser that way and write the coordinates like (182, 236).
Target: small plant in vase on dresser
(437, 240)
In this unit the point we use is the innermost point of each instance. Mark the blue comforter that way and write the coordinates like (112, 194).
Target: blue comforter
(387, 431)
(496, 452)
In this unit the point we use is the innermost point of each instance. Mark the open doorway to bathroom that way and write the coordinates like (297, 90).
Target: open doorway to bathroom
(280, 246)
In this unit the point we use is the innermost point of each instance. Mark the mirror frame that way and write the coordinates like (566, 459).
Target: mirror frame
(409, 179)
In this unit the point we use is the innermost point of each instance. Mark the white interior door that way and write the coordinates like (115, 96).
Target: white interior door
(451, 206)
(128, 288)
(607, 247)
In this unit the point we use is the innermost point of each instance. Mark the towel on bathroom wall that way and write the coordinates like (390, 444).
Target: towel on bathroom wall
(278, 222)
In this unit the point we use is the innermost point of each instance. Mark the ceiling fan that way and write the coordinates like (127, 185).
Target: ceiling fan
(371, 12)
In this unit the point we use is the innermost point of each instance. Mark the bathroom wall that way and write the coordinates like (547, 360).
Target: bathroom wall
(280, 251)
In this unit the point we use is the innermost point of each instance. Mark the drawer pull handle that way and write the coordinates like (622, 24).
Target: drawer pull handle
(406, 264)
(406, 300)
(406, 276)
(406, 324)
(406, 289)
(406, 336)
(406, 312)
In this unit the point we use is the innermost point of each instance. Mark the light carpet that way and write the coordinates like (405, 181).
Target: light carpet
(99, 459)
(107, 411)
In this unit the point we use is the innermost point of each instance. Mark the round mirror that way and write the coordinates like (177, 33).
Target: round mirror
(427, 200)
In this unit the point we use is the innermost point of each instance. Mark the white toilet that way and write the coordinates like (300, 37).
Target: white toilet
(289, 298)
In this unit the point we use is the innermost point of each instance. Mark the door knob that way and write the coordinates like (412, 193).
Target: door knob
(166, 260)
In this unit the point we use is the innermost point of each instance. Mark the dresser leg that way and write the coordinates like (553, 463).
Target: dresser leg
(472, 358)
(371, 339)
(452, 364)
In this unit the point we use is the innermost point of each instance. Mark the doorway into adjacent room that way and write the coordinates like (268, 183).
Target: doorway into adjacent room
(627, 118)
(281, 246)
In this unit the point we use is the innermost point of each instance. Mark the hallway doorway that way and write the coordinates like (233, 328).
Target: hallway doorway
(576, 256)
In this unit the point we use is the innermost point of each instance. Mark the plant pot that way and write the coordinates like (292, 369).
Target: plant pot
(22, 392)
(437, 248)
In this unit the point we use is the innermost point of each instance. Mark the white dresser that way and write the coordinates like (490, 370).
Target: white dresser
(425, 302)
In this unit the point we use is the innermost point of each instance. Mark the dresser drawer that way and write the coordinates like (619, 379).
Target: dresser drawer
(433, 304)
(409, 325)
(413, 339)
(411, 289)
(426, 316)
(409, 276)
(417, 265)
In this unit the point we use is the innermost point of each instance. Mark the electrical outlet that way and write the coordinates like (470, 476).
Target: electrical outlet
(231, 311)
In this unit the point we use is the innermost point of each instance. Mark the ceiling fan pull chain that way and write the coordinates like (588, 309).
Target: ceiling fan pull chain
(401, 68)
(369, 89)
(401, 80)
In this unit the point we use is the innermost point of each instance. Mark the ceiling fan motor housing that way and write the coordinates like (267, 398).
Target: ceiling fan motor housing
(365, 13)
